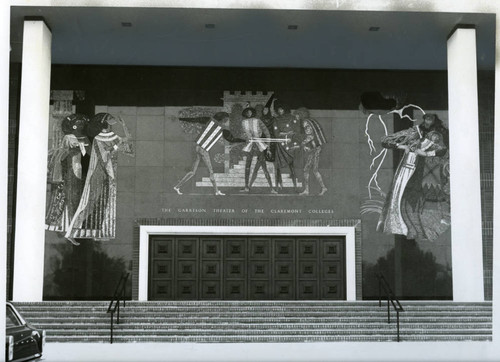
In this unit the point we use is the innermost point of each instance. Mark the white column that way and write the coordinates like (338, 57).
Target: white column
(4, 131)
(496, 194)
(32, 162)
(466, 235)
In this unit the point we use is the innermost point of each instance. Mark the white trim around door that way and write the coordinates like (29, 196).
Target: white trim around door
(348, 232)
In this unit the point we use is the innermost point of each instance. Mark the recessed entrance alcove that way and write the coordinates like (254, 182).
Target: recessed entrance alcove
(197, 260)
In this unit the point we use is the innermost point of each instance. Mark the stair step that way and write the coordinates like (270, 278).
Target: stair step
(290, 331)
(254, 303)
(339, 328)
(270, 339)
(168, 308)
(266, 311)
(262, 319)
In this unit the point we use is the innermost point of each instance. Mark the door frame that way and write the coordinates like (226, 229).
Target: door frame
(349, 232)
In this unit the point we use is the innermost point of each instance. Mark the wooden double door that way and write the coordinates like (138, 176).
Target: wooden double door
(246, 268)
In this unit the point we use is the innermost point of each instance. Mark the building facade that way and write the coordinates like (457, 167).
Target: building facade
(358, 184)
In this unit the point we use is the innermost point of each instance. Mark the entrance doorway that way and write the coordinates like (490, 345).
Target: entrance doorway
(183, 267)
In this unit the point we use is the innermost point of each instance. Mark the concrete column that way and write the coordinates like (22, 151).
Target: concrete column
(32, 162)
(466, 236)
(496, 194)
(4, 132)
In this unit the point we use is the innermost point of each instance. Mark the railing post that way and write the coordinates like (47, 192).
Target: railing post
(397, 316)
(111, 330)
(379, 291)
(118, 314)
(388, 311)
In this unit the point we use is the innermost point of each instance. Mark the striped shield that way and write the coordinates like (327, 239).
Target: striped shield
(319, 136)
(209, 136)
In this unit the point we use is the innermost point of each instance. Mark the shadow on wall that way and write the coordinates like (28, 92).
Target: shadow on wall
(421, 277)
(85, 272)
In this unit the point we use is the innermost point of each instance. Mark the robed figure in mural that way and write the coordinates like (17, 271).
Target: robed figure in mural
(417, 204)
(67, 169)
(95, 216)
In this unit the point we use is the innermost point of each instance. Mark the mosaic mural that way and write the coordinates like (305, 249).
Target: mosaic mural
(417, 204)
(255, 145)
(82, 176)
(259, 135)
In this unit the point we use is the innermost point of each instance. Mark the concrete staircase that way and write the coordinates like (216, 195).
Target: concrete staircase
(256, 321)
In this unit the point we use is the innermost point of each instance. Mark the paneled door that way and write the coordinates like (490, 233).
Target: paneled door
(246, 268)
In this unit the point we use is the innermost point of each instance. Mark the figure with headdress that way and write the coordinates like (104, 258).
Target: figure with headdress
(95, 216)
(66, 172)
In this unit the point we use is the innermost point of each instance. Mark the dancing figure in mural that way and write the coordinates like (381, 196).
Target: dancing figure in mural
(312, 144)
(253, 129)
(96, 213)
(285, 126)
(417, 204)
(212, 133)
(66, 172)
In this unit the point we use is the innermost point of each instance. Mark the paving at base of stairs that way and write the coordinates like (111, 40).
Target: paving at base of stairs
(311, 352)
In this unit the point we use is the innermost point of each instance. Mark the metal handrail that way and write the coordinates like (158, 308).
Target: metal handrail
(117, 297)
(383, 284)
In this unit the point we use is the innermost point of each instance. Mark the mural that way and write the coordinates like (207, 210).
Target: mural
(261, 137)
(255, 145)
(417, 204)
(82, 201)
